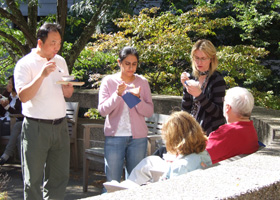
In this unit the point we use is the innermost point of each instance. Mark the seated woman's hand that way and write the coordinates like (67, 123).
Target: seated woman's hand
(4, 102)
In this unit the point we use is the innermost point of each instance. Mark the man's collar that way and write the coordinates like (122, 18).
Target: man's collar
(37, 56)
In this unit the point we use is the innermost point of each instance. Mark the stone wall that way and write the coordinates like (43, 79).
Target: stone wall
(266, 121)
(255, 176)
(163, 104)
(89, 99)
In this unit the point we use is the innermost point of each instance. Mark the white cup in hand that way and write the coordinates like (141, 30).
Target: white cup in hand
(192, 82)
(184, 77)
(134, 90)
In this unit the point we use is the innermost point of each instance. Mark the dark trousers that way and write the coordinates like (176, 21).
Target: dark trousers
(4, 127)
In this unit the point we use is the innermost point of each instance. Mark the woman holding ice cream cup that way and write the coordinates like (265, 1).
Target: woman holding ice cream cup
(204, 90)
(125, 99)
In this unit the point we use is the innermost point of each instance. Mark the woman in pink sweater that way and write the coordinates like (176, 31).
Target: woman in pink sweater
(125, 128)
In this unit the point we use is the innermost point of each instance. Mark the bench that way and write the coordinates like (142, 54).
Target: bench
(4, 140)
(96, 154)
(72, 109)
(13, 117)
(237, 157)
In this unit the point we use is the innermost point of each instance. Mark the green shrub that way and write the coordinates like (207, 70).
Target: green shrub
(266, 99)
(91, 63)
(164, 44)
(93, 113)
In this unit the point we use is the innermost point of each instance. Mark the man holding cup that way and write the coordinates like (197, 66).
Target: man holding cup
(45, 138)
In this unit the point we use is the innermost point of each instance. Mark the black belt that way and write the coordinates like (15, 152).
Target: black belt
(48, 121)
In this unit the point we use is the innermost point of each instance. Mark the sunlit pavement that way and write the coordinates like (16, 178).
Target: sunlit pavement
(14, 186)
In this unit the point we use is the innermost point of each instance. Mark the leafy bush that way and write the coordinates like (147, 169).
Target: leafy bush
(89, 64)
(93, 113)
(164, 45)
(266, 99)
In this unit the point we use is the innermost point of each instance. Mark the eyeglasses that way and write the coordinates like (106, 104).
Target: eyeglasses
(200, 59)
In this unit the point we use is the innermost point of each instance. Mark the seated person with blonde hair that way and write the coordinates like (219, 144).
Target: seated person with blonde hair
(238, 136)
(185, 143)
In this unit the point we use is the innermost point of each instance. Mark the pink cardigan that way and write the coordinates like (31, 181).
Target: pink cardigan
(111, 105)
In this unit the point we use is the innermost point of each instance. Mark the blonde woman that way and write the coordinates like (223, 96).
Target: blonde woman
(185, 144)
(204, 100)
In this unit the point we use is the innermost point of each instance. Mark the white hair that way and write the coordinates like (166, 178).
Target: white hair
(240, 100)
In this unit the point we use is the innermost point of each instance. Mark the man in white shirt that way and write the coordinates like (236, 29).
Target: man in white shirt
(45, 138)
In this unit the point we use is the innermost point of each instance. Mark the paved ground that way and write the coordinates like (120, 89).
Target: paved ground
(74, 190)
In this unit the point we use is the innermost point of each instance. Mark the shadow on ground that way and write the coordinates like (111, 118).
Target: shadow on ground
(14, 186)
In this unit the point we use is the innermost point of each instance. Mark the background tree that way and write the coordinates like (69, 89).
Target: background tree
(255, 22)
(245, 32)
(164, 44)
(11, 13)
(19, 41)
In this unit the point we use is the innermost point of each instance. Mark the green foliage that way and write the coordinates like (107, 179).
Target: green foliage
(6, 66)
(8, 57)
(89, 63)
(244, 32)
(258, 19)
(254, 22)
(93, 113)
(266, 99)
(164, 43)
(241, 66)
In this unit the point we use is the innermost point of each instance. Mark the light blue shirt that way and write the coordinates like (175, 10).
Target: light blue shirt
(188, 163)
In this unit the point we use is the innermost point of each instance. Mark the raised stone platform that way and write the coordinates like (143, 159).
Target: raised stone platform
(253, 177)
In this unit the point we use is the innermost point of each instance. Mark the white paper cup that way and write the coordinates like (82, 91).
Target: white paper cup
(192, 83)
(68, 78)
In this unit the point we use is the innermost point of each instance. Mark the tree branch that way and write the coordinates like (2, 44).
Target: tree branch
(62, 17)
(14, 41)
(32, 17)
(17, 18)
(81, 42)
(11, 51)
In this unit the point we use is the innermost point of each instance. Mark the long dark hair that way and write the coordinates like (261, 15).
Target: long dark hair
(13, 81)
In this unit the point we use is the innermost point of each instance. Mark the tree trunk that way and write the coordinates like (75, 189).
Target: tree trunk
(29, 27)
(81, 42)
(17, 18)
(62, 17)
(32, 21)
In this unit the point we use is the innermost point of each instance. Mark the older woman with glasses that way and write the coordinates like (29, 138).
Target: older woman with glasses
(204, 90)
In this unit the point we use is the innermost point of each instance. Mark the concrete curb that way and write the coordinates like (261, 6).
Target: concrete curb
(253, 177)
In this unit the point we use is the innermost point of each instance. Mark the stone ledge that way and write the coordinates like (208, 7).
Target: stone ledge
(253, 177)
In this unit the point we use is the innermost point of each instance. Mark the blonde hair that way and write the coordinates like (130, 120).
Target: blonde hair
(183, 134)
(209, 49)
